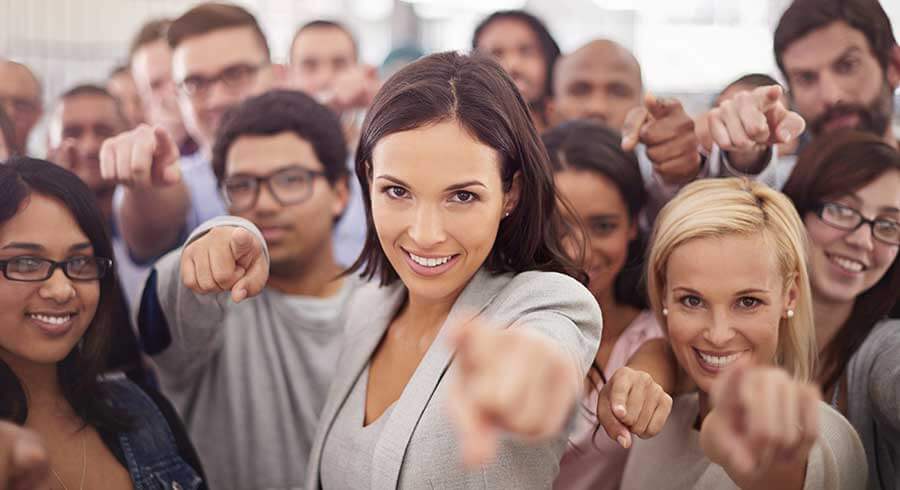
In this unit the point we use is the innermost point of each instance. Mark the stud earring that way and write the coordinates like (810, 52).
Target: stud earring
(665, 312)
(790, 313)
(506, 215)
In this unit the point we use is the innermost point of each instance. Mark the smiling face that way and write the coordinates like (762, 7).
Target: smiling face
(40, 322)
(437, 202)
(725, 302)
(843, 264)
(602, 209)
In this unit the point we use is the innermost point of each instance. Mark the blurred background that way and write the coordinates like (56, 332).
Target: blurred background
(688, 48)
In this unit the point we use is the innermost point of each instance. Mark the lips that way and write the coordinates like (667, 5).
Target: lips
(273, 233)
(714, 362)
(846, 264)
(430, 265)
(54, 324)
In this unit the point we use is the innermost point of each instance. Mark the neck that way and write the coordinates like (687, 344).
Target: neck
(829, 317)
(428, 313)
(616, 316)
(317, 278)
(42, 390)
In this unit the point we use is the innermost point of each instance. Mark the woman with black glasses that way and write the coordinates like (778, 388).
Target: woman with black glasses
(58, 295)
(848, 192)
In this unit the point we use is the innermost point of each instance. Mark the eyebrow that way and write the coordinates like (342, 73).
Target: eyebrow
(843, 54)
(742, 292)
(451, 187)
(38, 248)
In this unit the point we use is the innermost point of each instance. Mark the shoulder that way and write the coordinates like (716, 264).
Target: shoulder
(546, 290)
(882, 345)
(838, 459)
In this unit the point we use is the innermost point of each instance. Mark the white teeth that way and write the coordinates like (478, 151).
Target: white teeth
(847, 264)
(718, 361)
(426, 262)
(52, 320)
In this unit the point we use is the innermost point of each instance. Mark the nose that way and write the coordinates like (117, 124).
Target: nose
(719, 332)
(57, 288)
(829, 90)
(427, 229)
(266, 204)
(597, 108)
(861, 237)
(221, 96)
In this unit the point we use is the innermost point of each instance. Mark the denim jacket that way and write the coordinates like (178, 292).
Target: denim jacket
(149, 449)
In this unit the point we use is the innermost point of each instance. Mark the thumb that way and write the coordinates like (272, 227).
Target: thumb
(789, 128)
(477, 436)
(631, 130)
(704, 135)
(166, 151)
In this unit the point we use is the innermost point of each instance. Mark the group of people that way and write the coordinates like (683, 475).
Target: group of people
(507, 268)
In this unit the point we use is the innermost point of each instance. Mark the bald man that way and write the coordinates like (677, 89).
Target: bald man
(20, 95)
(600, 80)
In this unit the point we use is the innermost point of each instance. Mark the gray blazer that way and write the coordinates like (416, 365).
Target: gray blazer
(418, 447)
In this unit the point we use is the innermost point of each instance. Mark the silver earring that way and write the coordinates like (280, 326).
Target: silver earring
(665, 312)
(506, 215)
(790, 313)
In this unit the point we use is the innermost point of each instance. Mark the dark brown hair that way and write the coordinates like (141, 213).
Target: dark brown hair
(209, 17)
(834, 167)
(475, 92)
(78, 373)
(593, 147)
(805, 16)
(326, 24)
(150, 32)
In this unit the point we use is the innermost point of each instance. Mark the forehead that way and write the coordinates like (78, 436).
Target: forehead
(436, 156)
(881, 192)
(823, 46)
(17, 80)
(724, 265)
(88, 109)
(209, 53)
(599, 65)
(261, 154)
(323, 41)
(590, 192)
(506, 33)
(45, 221)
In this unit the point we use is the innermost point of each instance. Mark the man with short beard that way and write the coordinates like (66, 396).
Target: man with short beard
(842, 65)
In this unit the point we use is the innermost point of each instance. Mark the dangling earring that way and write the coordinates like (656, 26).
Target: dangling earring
(665, 312)
(790, 314)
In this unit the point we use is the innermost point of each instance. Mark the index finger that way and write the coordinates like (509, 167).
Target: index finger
(767, 97)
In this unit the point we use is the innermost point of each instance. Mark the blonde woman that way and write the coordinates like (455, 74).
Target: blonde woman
(727, 280)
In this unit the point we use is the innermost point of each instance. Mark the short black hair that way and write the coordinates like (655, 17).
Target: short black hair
(279, 111)
(210, 17)
(326, 24)
(805, 16)
(549, 47)
(97, 91)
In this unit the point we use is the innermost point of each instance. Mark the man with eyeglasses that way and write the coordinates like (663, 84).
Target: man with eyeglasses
(20, 96)
(219, 58)
(250, 378)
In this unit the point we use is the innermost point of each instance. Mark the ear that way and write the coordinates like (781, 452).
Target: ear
(341, 189)
(791, 294)
(893, 67)
(511, 199)
(633, 230)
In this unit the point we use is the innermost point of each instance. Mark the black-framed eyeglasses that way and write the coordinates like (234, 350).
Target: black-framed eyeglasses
(848, 219)
(289, 185)
(234, 77)
(36, 269)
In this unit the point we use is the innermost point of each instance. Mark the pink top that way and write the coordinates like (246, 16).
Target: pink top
(584, 466)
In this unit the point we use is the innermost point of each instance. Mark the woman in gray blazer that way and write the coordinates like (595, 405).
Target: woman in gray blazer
(463, 228)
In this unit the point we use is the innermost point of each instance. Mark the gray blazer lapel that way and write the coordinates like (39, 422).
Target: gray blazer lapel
(391, 447)
(369, 318)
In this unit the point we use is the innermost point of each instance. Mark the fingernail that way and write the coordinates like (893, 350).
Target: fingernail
(623, 441)
(785, 135)
(619, 410)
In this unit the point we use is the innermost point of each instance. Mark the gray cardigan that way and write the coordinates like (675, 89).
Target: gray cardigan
(418, 447)
(873, 389)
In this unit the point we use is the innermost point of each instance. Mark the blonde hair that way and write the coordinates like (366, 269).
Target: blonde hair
(722, 207)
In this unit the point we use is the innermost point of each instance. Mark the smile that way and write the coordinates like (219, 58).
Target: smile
(429, 262)
(715, 362)
(846, 264)
(430, 266)
(51, 319)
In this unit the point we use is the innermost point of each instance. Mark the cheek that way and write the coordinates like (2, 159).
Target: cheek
(682, 331)
(475, 229)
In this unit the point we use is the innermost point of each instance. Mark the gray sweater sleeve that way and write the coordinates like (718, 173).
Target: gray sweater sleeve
(883, 350)
(194, 320)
